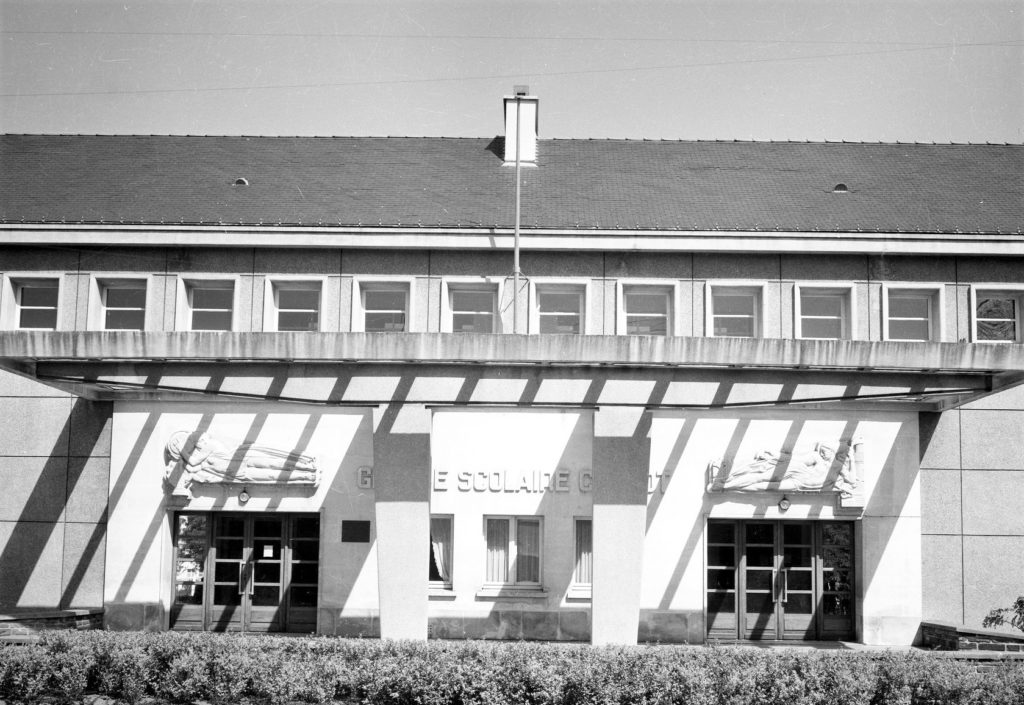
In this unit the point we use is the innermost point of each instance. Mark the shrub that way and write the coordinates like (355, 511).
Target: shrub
(267, 670)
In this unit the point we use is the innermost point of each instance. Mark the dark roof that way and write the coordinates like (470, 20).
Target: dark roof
(583, 184)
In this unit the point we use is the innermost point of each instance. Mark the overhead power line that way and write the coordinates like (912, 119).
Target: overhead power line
(442, 79)
(480, 37)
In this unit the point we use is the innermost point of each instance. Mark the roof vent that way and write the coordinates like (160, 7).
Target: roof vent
(840, 188)
(242, 181)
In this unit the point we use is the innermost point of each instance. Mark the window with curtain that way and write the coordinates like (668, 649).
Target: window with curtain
(584, 571)
(441, 550)
(513, 551)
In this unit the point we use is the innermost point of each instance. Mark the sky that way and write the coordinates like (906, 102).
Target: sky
(900, 70)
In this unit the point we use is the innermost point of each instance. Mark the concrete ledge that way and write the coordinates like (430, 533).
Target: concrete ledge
(28, 347)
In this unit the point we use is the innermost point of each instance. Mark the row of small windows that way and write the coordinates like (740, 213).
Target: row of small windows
(910, 314)
(514, 552)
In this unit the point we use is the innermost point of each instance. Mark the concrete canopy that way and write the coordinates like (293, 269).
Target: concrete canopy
(147, 365)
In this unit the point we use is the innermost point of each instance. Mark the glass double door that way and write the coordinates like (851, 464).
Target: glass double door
(777, 580)
(238, 572)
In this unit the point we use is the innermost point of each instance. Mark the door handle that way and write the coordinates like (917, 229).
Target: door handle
(784, 575)
(241, 578)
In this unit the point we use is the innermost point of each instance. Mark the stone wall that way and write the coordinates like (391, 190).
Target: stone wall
(22, 626)
(951, 637)
(972, 485)
(54, 468)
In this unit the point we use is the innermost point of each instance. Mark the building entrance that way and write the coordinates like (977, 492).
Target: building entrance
(245, 572)
(776, 580)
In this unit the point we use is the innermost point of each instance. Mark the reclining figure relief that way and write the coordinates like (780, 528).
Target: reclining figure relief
(827, 467)
(205, 459)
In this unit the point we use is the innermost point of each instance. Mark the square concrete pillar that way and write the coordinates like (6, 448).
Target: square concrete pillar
(515, 309)
(621, 452)
(401, 482)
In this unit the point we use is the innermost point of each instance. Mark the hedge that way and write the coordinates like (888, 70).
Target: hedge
(219, 668)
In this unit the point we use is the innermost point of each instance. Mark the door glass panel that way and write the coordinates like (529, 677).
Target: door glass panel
(226, 595)
(797, 534)
(762, 556)
(721, 533)
(306, 550)
(303, 596)
(800, 580)
(720, 555)
(761, 534)
(798, 604)
(797, 557)
(267, 573)
(759, 580)
(305, 569)
(267, 549)
(188, 593)
(837, 580)
(266, 595)
(190, 562)
(229, 548)
(226, 571)
(721, 579)
(759, 603)
(306, 528)
(721, 602)
(230, 526)
(837, 534)
(305, 573)
(836, 605)
(836, 557)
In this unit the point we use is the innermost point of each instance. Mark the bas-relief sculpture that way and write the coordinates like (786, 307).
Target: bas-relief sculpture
(828, 466)
(206, 459)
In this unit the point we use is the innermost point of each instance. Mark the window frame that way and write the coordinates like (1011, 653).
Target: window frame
(669, 288)
(492, 285)
(383, 283)
(757, 289)
(271, 311)
(185, 310)
(560, 286)
(10, 294)
(512, 553)
(1015, 291)
(581, 589)
(444, 586)
(102, 283)
(848, 319)
(936, 309)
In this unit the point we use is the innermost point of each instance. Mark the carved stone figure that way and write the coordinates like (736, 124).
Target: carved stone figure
(820, 469)
(208, 460)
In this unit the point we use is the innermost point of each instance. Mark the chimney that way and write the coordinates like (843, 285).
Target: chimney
(528, 132)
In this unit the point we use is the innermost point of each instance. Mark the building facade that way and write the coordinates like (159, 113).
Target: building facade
(743, 390)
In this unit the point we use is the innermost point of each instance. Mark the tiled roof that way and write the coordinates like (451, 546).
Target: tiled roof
(461, 183)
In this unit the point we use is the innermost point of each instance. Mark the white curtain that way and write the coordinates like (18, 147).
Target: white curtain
(528, 551)
(441, 543)
(497, 550)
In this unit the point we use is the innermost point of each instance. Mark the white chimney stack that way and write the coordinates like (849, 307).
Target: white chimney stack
(526, 107)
